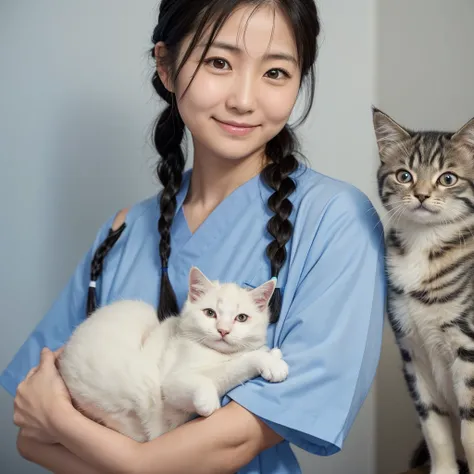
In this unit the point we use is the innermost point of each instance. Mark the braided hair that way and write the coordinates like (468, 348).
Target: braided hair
(177, 20)
(280, 150)
(97, 265)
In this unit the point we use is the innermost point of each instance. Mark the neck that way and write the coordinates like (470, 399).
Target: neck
(213, 179)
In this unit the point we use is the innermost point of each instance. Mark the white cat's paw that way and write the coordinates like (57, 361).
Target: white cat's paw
(274, 368)
(453, 470)
(275, 352)
(206, 400)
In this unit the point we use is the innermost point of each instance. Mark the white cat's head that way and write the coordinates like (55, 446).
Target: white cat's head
(224, 316)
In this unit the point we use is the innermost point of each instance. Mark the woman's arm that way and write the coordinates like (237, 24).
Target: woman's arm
(222, 443)
(54, 457)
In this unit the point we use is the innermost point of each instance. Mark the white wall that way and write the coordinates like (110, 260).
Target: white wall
(425, 77)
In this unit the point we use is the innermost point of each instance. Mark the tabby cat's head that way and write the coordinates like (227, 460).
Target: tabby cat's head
(426, 177)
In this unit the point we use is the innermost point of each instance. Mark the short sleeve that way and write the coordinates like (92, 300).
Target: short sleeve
(331, 334)
(57, 325)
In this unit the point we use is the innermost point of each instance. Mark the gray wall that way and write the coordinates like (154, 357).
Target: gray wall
(74, 147)
(425, 77)
(76, 110)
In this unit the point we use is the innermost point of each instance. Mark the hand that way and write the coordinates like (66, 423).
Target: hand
(39, 400)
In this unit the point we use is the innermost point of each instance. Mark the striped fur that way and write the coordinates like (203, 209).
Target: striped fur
(426, 184)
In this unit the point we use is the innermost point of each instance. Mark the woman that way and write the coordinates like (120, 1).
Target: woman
(230, 72)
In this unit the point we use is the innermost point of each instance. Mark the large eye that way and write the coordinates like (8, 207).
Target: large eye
(241, 318)
(209, 312)
(404, 177)
(448, 179)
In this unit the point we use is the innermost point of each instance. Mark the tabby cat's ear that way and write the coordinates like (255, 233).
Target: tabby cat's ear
(465, 134)
(387, 131)
(199, 285)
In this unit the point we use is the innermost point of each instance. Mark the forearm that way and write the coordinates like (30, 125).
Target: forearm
(220, 444)
(102, 448)
(53, 457)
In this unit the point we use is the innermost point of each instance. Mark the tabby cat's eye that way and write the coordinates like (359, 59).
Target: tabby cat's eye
(448, 179)
(209, 312)
(241, 318)
(403, 176)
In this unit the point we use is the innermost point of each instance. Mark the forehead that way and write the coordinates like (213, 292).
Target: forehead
(230, 299)
(426, 151)
(258, 31)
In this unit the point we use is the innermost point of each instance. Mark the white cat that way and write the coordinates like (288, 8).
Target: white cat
(143, 378)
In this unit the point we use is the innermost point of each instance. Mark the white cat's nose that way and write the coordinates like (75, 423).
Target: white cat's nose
(223, 332)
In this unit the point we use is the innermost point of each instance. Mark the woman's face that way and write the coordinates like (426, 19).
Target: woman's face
(244, 92)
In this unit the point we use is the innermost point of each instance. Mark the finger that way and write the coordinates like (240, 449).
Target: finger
(18, 419)
(46, 358)
(58, 352)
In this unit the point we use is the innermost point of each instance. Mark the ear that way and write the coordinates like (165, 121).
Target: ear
(262, 294)
(465, 134)
(387, 131)
(162, 66)
(199, 285)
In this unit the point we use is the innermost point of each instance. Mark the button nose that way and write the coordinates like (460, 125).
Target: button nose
(422, 197)
(223, 332)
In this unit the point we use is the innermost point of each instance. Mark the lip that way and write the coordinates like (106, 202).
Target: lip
(422, 208)
(236, 128)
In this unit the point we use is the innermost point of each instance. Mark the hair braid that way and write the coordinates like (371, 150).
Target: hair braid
(97, 265)
(280, 150)
(168, 135)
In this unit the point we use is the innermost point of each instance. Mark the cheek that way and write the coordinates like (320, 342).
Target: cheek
(204, 94)
(277, 103)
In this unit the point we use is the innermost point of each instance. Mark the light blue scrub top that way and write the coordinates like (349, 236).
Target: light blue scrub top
(333, 287)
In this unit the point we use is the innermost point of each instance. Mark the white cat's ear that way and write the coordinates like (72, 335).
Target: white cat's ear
(387, 132)
(199, 285)
(262, 294)
(465, 134)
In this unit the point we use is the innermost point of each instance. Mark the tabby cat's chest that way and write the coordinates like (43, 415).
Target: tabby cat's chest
(427, 273)
(428, 260)
(410, 271)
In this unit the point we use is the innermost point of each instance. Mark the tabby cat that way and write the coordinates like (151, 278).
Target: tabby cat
(426, 183)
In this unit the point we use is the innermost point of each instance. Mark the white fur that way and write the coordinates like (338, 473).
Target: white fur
(143, 378)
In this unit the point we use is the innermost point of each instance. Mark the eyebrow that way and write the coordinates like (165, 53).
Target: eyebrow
(235, 49)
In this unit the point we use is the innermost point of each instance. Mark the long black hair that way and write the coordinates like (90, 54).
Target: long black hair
(177, 20)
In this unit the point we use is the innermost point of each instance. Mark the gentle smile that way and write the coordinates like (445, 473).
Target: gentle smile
(236, 128)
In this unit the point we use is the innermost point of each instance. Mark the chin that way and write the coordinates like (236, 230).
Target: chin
(231, 148)
(220, 346)
(235, 152)
(426, 217)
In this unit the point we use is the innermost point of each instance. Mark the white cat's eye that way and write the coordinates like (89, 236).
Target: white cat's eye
(404, 177)
(241, 318)
(448, 179)
(209, 312)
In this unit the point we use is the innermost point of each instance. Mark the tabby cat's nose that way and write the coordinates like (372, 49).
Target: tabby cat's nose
(422, 197)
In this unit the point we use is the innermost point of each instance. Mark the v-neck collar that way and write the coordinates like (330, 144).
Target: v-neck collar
(248, 189)
(219, 221)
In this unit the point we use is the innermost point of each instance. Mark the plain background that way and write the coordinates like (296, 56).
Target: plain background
(77, 110)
